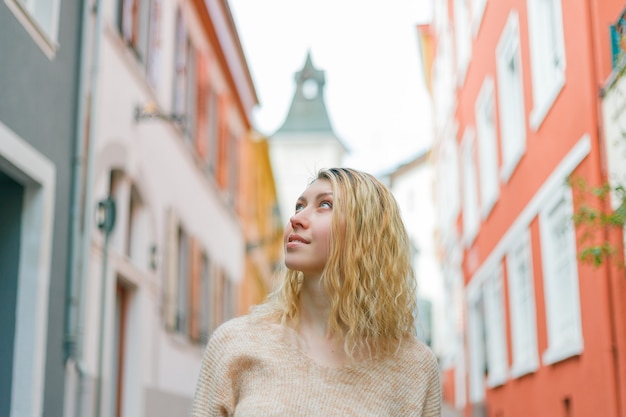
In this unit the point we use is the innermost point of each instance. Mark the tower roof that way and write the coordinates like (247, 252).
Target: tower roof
(308, 110)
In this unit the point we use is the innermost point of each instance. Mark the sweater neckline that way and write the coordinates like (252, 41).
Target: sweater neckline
(287, 338)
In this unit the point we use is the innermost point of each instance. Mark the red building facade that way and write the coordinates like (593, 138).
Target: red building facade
(517, 90)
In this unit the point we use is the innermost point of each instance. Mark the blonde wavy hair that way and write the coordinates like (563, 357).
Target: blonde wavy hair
(368, 276)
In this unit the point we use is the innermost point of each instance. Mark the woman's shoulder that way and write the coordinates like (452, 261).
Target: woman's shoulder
(240, 330)
(232, 325)
(415, 351)
(234, 328)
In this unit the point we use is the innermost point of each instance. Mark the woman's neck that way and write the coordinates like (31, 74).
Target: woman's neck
(314, 306)
(314, 337)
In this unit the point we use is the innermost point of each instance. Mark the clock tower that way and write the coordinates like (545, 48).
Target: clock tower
(306, 141)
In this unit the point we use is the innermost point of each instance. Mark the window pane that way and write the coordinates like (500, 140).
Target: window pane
(45, 13)
(496, 342)
(522, 302)
(183, 282)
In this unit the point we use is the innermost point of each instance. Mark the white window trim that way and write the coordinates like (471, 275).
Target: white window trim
(529, 213)
(613, 113)
(462, 39)
(471, 225)
(47, 42)
(520, 368)
(558, 351)
(478, 11)
(487, 91)
(449, 190)
(495, 327)
(541, 108)
(477, 348)
(534, 206)
(38, 176)
(508, 46)
(460, 389)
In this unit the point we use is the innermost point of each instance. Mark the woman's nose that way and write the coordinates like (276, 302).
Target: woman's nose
(299, 219)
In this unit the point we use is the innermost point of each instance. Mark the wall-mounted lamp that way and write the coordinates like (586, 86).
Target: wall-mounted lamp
(151, 111)
(105, 214)
(154, 257)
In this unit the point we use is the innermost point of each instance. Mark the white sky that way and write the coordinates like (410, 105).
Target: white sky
(375, 93)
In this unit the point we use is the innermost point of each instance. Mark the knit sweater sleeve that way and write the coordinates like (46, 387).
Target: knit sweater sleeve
(432, 400)
(214, 396)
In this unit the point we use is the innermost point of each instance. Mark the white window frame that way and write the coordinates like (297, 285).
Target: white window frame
(478, 11)
(463, 38)
(40, 18)
(511, 96)
(183, 309)
(181, 66)
(185, 80)
(613, 116)
(495, 328)
(477, 347)
(562, 294)
(485, 115)
(547, 56)
(37, 174)
(206, 297)
(523, 316)
(471, 210)
(449, 188)
(142, 33)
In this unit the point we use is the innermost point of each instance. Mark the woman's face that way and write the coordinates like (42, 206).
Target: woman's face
(307, 234)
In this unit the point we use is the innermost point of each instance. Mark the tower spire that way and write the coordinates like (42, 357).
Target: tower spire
(307, 112)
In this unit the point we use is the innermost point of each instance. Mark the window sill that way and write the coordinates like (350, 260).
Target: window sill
(47, 45)
(565, 351)
(540, 110)
(488, 206)
(495, 380)
(523, 368)
(469, 236)
(509, 168)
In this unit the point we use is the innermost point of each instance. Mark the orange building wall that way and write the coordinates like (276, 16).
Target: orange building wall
(260, 221)
(558, 389)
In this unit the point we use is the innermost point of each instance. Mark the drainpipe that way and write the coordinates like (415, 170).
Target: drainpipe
(81, 214)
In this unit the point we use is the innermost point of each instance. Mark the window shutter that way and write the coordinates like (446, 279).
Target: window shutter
(476, 331)
(218, 297)
(153, 63)
(205, 297)
(496, 336)
(522, 302)
(222, 161)
(128, 7)
(202, 133)
(560, 278)
(194, 291)
(180, 69)
(171, 272)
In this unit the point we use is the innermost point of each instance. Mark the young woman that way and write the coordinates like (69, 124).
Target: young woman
(337, 338)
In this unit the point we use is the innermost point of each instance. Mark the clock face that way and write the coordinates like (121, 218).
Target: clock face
(309, 88)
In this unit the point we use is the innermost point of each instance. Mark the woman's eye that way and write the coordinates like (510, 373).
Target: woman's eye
(299, 207)
(326, 204)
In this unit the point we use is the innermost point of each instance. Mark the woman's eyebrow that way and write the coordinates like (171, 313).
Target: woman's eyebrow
(317, 197)
(322, 195)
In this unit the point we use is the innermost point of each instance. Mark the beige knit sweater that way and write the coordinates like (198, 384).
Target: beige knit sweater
(251, 369)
